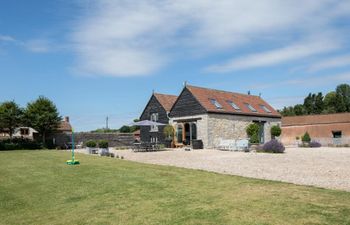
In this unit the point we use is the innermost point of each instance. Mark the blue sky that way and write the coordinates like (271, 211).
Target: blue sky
(103, 58)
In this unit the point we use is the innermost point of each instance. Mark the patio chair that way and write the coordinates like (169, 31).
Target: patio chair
(224, 144)
(79, 145)
(232, 146)
(242, 144)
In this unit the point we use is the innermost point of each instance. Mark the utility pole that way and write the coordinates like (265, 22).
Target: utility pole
(107, 123)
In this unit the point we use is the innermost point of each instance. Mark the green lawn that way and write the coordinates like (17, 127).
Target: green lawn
(37, 187)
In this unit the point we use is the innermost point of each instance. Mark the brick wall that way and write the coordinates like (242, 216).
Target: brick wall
(319, 132)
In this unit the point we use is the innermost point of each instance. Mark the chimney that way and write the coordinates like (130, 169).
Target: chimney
(66, 119)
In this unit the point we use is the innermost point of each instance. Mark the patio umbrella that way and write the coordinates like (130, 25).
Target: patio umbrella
(146, 123)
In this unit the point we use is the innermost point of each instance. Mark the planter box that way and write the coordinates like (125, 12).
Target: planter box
(197, 144)
(103, 151)
(90, 150)
(168, 143)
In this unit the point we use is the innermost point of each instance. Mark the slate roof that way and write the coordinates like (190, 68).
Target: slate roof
(316, 119)
(167, 101)
(205, 95)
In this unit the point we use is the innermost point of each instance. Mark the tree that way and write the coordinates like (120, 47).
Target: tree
(134, 128)
(330, 102)
(287, 111)
(124, 129)
(299, 110)
(308, 104)
(343, 92)
(10, 117)
(318, 103)
(341, 105)
(43, 116)
(275, 131)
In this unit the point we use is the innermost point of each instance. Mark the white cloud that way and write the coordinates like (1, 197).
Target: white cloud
(7, 38)
(277, 56)
(329, 63)
(312, 81)
(129, 38)
(38, 45)
(280, 102)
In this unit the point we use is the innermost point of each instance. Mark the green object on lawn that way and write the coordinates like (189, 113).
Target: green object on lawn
(73, 161)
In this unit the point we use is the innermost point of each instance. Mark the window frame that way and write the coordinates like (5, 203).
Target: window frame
(154, 118)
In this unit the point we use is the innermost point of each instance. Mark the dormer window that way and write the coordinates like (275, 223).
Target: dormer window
(249, 106)
(265, 108)
(216, 103)
(231, 103)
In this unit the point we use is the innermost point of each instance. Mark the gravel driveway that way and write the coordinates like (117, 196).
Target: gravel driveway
(321, 167)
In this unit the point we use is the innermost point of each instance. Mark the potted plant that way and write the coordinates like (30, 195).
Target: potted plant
(103, 147)
(90, 146)
(306, 139)
(275, 131)
(253, 134)
(169, 135)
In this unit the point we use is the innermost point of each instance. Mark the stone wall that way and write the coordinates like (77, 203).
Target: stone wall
(211, 128)
(225, 126)
(201, 122)
(114, 139)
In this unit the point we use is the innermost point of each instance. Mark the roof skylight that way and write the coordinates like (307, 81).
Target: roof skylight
(216, 103)
(250, 107)
(265, 108)
(233, 105)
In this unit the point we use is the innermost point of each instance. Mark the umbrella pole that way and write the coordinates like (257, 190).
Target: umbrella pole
(72, 161)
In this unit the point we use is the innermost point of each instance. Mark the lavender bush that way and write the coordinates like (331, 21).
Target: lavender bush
(315, 144)
(273, 146)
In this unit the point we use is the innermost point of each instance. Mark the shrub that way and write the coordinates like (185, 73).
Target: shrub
(11, 146)
(306, 137)
(103, 144)
(253, 133)
(252, 129)
(276, 131)
(315, 144)
(273, 146)
(168, 132)
(254, 139)
(18, 144)
(91, 144)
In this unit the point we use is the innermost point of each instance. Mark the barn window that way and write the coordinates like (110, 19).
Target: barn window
(336, 134)
(24, 131)
(154, 118)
